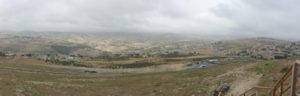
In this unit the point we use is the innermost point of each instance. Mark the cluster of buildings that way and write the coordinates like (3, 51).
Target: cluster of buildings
(46, 57)
(145, 54)
(268, 52)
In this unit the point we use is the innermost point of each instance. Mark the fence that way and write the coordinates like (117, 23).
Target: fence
(256, 91)
(285, 86)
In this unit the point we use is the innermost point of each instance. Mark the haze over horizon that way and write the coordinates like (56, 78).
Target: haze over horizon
(244, 18)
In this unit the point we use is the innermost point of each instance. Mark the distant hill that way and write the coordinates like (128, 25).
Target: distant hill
(93, 44)
(40, 45)
(250, 43)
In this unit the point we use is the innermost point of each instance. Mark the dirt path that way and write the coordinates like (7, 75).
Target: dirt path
(243, 83)
(245, 80)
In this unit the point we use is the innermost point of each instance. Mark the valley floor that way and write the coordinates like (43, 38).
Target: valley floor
(29, 78)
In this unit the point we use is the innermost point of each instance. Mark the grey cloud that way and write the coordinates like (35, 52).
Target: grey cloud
(106, 15)
(263, 17)
(205, 17)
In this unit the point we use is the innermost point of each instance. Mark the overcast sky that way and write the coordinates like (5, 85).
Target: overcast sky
(273, 18)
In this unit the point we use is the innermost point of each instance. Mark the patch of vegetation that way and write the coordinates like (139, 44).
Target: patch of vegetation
(271, 71)
(87, 71)
(174, 54)
(262, 68)
(132, 65)
(284, 69)
(2, 54)
(70, 63)
(281, 57)
(28, 55)
(112, 58)
(62, 49)
(206, 58)
(172, 60)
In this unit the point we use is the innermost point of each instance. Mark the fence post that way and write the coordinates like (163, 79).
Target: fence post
(273, 92)
(294, 80)
(256, 93)
(281, 88)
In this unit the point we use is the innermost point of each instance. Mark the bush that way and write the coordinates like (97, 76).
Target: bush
(28, 55)
(69, 63)
(2, 54)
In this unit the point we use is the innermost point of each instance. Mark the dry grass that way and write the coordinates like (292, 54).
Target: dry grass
(31, 79)
(34, 80)
(154, 60)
